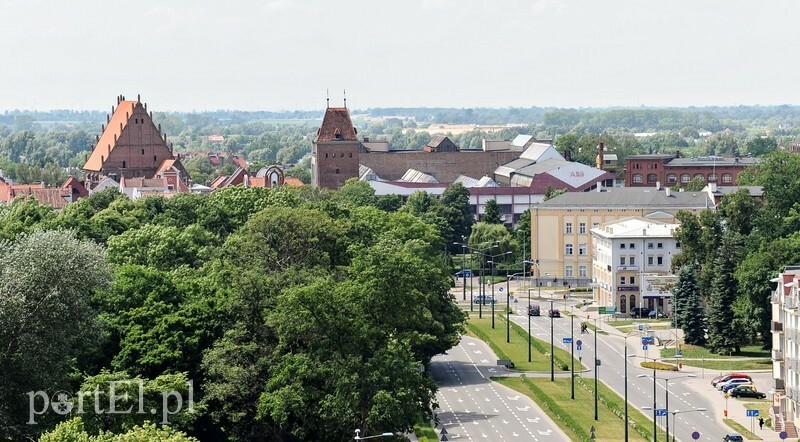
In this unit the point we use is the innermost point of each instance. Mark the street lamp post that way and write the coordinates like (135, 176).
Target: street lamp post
(524, 263)
(595, 370)
(481, 288)
(508, 309)
(494, 273)
(675, 422)
(552, 349)
(572, 350)
(666, 386)
(463, 266)
(359, 437)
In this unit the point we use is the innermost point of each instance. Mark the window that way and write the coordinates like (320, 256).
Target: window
(677, 244)
(326, 154)
(123, 164)
(582, 228)
(582, 271)
(568, 249)
(632, 260)
(650, 260)
(154, 158)
(650, 245)
(568, 229)
(685, 178)
(651, 178)
(700, 176)
(568, 273)
(142, 151)
(622, 304)
(622, 280)
(712, 177)
(660, 260)
(727, 178)
(337, 171)
(637, 178)
(633, 280)
(633, 301)
(622, 260)
(672, 178)
(622, 246)
(581, 249)
(351, 155)
(660, 245)
(633, 246)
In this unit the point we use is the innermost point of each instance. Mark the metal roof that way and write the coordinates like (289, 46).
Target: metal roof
(631, 197)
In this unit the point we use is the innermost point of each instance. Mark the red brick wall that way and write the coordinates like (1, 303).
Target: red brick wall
(335, 163)
(140, 146)
(444, 166)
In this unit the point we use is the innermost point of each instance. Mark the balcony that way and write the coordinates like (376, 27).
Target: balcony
(777, 327)
(778, 385)
(777, 355)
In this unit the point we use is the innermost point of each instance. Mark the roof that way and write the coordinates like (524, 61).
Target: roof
(337, 126)
(631, 197)
(659, 156)
(436, 141)
(541, 152)
(416, 176)
(239, 161)
(472, 182)
(713, 161)
(50, 197)
(755, 191)
(216, 183)
(405, 189)
(635, 228)
(109, 137)
(292, 181)
(522, 140)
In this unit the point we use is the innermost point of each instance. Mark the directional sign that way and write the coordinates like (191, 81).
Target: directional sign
(661, 412)
(641, 327)
(644, 347)
(783, 435)
(695, 435)
(648, 340)
(601, 310)
(752, 413)
(579, 343)
(567, 341)
(501, 290)
(579, 347)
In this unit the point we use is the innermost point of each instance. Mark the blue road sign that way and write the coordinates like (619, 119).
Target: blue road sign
(579, 347)
(752, 413)
(648, 340)
(695, 435)
(501, 290)
(661, 412)
(579, 342)
(641, 327)
(568, 340)
(783, 435)
(644, 347)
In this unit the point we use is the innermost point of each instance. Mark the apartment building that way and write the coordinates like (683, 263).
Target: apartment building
(786, 347)
(628, 257)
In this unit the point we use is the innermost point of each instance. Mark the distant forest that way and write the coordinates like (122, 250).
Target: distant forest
(46, 146)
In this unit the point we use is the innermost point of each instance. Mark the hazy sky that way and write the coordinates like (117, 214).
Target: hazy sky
(278, 55)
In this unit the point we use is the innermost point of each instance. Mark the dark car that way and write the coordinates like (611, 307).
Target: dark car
(653, 314)
(467, 273)
(554, 313)
(534, 310)
(484, 299)
(733, 437)
(747, 391)
(640, 312)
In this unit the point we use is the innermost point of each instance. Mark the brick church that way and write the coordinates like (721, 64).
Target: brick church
(132, 148)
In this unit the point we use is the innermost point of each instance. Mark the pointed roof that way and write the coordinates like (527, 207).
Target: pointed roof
(337, 126)
(108, 139)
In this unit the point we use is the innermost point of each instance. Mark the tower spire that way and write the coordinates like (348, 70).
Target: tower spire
(327, 99)
(345, 97)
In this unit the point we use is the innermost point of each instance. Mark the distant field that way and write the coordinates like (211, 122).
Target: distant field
(457, 129)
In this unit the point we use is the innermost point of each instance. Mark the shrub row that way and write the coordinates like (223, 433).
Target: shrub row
(546, 402)
(562, 365)
(614, 407)
(483, 337)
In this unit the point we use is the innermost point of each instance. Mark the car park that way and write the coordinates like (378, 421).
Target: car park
(534, 310)
(747, 391)
(733, 437)
(727, 377)
(734, 381)
(554, 313)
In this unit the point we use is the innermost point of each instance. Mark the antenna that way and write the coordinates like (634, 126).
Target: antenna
(327, 99)
(345, 97)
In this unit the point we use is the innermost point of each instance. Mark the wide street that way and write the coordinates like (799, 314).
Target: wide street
(471, 407)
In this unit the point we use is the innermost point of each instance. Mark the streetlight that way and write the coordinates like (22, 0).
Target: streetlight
(464, 265)
(596, 366)
(358, 432)
(626, 384)
(675, 422)
(655, 425)
(572, 349)
(481, 288)
(494, 273)
(666, 387)
(552, 349)
(524, 263)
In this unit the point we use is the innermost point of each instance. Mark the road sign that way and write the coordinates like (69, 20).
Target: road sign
(783, 435)
(648, 340)
(579, 342)
(611, 309)
(644, 347)
(641, 327)
(695, 435)
(567, 340)
(579, 347)
(752, 413)
(601, 310)
(597, 362)
(501, 290)
(661, 412)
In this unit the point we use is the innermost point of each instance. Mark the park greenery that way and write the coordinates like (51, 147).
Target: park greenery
(297, 313)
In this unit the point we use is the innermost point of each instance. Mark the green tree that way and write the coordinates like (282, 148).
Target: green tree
(355, 192)
(551, 193)
(696, 184)
(740, 211)
(722, 335)
(522, 234)
(690, 314)
(760, 146)
(491, 213)
(456, 211)
(46, 322)
(74, 430)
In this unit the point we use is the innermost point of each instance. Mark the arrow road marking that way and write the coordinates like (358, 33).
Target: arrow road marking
(545, 433)
(515, 398)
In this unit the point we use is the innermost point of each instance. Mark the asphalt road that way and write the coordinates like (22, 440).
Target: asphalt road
(640, 390)
(471, 407)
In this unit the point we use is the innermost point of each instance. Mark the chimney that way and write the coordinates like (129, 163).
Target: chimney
(712, 187)
(568, 155)
(599, 186)
(677, 153)
(658, 185)
(600, 161)
(669, 192)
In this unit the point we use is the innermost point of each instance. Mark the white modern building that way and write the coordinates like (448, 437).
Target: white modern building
(631, 264)
(786, 348)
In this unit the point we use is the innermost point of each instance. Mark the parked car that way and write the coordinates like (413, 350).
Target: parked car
(733, 381)
(639, 312)
(654, 315)
(554, 313)
(466, 273)
(484, 299)
(731, 386)
(725, 378)
(747, 391)
(534, 310)
(733, 437)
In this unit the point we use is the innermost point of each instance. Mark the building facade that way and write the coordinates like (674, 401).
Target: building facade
(627, 256)
(561, 227)
(786, 346)
(669, 170)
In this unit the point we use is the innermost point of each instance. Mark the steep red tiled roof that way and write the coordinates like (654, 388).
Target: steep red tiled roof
(290, 181)
(217, 182)
(337, 126)
(50, 197)
(107, 140)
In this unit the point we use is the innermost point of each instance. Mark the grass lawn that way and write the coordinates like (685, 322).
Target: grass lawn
(576, 417)
(425, 432)
(696, 352)
(762, 406)
(517, 350)
(739, 428)
(725, 366)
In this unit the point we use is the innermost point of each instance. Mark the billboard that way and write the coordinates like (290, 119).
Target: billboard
(658, 286)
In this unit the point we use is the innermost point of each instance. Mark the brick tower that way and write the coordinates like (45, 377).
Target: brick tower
(335, 152)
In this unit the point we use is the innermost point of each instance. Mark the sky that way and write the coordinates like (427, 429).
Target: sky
(195, 55)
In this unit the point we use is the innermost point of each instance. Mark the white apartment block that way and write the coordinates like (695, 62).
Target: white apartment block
(630, 257)
(786, 346)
